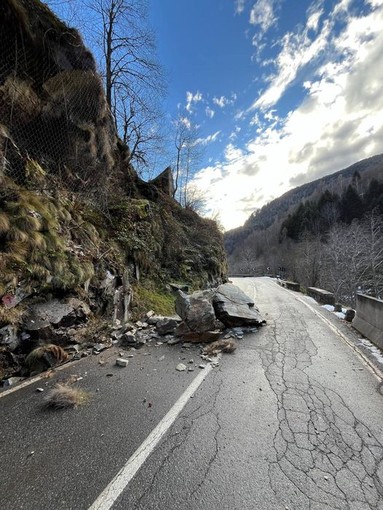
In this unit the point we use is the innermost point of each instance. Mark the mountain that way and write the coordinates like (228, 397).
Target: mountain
(272, 215)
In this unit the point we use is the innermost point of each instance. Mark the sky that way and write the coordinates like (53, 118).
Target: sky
(282, 91)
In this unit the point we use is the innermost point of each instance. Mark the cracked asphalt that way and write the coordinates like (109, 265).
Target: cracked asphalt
(292, 420)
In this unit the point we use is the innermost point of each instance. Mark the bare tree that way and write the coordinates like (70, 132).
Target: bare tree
(309, 257)
(344, 267)
(133, 78)
(373, 254)
(188, 154)
(121, 38)
(195, 199)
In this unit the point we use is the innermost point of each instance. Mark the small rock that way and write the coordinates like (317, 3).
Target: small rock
(11, 381)
(191, 360)
(325, 477)
(181, 367)
(174, 341)
(349, 315)
(191, 369)
(202, 366)
(73, 349)
(166, 325)
(127, 339)
(39, 390)
(97, 348)
(121, 362)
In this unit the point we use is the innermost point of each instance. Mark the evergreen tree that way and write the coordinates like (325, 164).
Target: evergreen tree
(351, 205)
(373, 199)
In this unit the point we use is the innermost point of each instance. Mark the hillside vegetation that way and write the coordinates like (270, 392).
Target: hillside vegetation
(326, 233)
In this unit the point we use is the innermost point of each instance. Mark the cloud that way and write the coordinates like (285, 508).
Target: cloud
(209, 112)
(338, 123)
(224, 101)
(186, 122)
(208, 139)
(192, 99)
(298, 50)
(263, 15)
(239, 6)
(232, 153)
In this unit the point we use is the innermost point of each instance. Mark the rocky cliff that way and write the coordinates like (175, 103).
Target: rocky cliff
(75, 219)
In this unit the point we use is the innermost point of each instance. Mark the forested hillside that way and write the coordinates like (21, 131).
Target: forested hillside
(326, 233)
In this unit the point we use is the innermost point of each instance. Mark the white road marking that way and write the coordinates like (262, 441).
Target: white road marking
(40, 377)
(110, 494)
(369, 365)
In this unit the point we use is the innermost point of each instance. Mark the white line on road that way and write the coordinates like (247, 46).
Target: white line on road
(110, 494)
(370, 366)
(373, 369)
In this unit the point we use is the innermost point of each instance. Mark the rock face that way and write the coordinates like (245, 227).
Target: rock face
(234, 308)
(57, 134)
(55, 313)
(75, 218)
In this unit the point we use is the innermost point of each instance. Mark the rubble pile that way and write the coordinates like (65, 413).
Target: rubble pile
(56, 332)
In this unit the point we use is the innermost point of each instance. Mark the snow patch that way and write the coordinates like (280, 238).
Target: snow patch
(375, 351)
(330, 308)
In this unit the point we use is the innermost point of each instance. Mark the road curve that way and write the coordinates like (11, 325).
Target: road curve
(292, 420)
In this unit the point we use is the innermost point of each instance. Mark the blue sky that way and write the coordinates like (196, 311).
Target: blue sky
(282, 91)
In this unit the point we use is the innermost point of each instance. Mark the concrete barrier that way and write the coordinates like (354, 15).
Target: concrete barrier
(322, 296)
(290, 285)
(369, 318)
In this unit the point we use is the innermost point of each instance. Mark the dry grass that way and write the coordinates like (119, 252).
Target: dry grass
(227, 346)
(64, 397)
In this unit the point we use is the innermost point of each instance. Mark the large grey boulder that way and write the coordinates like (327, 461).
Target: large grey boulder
(197, 312)
(234, 308)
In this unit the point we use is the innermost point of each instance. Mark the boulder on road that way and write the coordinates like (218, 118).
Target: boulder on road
(234, 308)
(196, 310)
(199, 321)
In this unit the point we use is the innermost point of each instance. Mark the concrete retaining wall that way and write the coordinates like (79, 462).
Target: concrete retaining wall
(322, 296)
(290, 285)
(369, 318)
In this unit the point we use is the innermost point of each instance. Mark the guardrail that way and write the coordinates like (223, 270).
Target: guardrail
(322, 296)
(369, 318)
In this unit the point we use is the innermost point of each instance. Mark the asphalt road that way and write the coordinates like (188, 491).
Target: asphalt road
(292, 420)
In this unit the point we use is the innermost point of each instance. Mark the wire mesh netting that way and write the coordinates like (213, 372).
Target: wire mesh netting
(56, 129)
